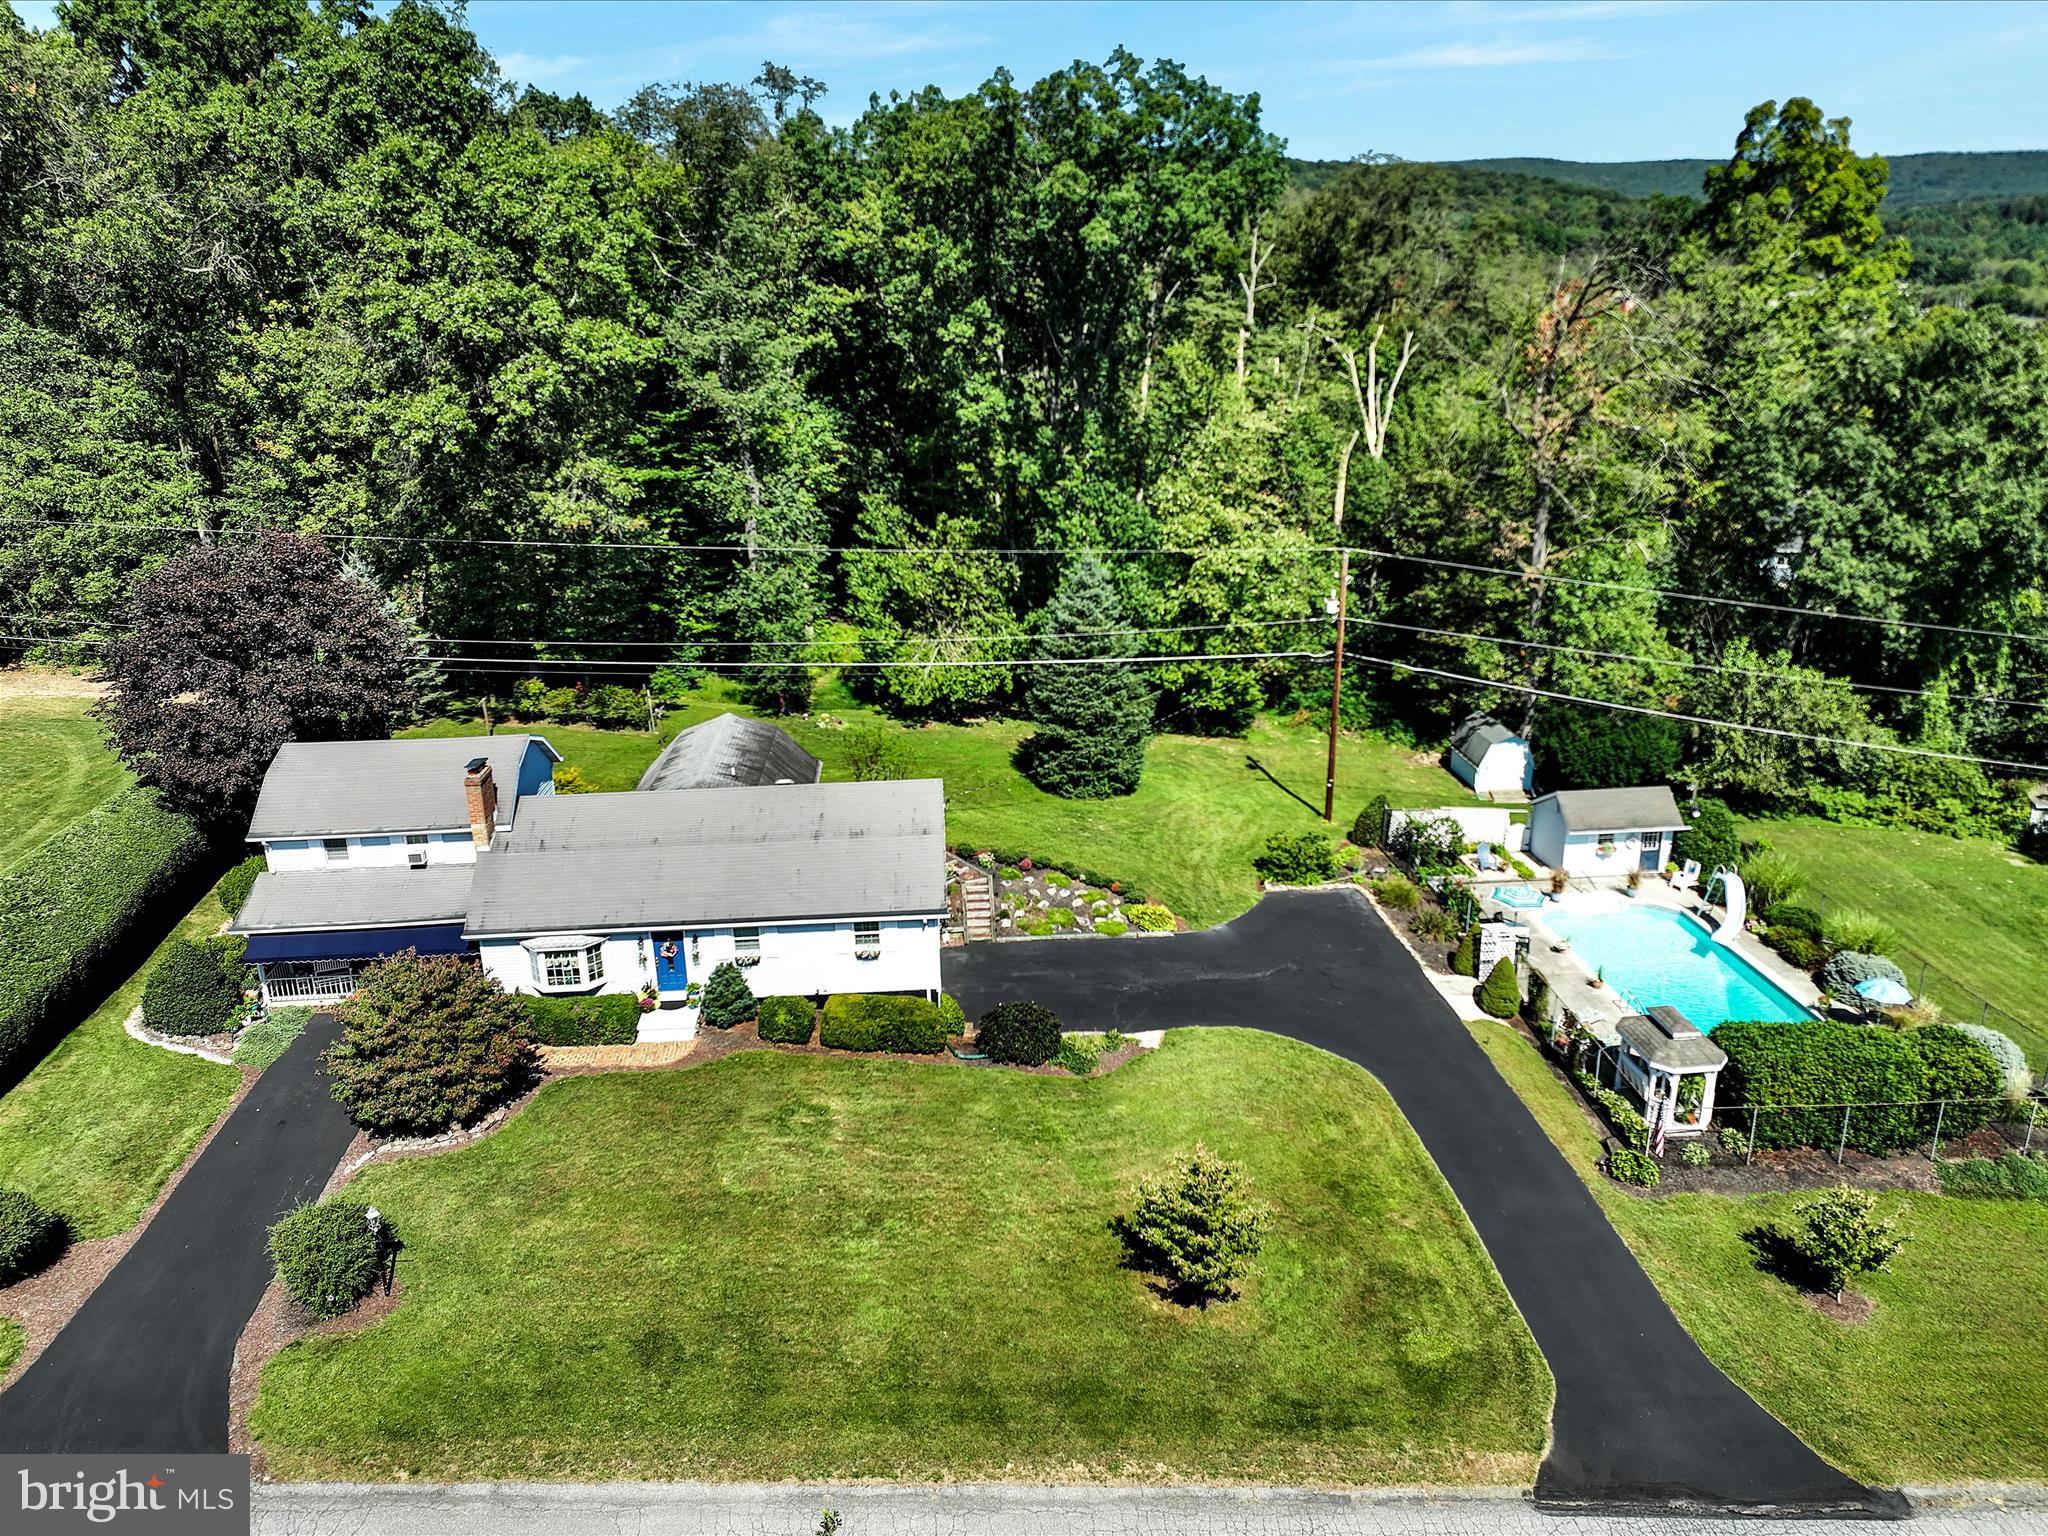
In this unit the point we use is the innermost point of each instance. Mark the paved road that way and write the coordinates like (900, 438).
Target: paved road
(144, 1365)
(726, 1509)
(1643, 1418)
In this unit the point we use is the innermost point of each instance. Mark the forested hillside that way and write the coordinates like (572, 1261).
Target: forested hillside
(708, 383)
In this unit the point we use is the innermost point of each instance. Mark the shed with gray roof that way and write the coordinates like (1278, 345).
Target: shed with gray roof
(1605, 831)
(1490, 758)
(731, 751)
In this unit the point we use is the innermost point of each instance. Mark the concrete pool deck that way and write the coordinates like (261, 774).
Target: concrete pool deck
(1600, 1008)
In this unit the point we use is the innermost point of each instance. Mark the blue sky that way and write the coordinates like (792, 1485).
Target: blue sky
(1577, 79)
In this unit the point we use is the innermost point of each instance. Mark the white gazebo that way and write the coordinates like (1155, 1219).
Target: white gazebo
(1658, 1051)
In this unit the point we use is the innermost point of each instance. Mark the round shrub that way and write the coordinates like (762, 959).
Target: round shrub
(328, 1256)
(1302, 858)
(1848, 969)
(236, 884)
(1149, 917)
(1632, 1167)
(1060, 917)
(1397, 893)
(1797, 947)
(1022, 1034)
(2012, 1061)
(188, 993)
(881, 1021)
(1694, 1154)
(1112, 928)
(728, 1000)
(1500, 995)
(1794, 917)
(787, 1020)
(31, 1235)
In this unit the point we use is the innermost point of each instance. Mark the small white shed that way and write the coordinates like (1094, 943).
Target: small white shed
(1605, 831)
(1489, 757)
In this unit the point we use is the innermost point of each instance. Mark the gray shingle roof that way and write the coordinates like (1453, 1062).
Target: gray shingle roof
(1651, 808)
(1667, 1038)
(340, 788)
(296, 899)
(582, 863)
(729, 750)
(1477, 733)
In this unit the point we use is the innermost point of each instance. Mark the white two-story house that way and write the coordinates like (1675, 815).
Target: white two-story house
(459, 845)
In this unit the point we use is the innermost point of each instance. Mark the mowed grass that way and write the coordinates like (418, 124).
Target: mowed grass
(1972, 907)
(55, 766)
(100, 1123)
(1202, 811)
(1942, 1384)
(780, 1266)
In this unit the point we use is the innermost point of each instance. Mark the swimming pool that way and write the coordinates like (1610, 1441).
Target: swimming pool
(1653, 956)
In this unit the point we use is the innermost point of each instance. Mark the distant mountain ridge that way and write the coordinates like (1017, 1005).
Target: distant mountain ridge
(1918, 181)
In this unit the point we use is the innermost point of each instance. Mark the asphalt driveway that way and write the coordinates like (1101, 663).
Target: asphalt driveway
(144, 1365)
(1643, 1418)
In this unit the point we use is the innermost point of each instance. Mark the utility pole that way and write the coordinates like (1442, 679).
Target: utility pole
(1337, 651)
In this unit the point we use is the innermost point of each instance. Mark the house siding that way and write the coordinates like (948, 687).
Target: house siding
(385, 850)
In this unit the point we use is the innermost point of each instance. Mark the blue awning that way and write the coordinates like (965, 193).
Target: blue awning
(355, 943)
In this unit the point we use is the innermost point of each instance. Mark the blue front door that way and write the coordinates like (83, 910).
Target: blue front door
(669, 952)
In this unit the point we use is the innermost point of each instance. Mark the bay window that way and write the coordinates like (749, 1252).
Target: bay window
(566, 964)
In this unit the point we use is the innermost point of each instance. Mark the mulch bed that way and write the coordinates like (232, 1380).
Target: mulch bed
(713, 1044)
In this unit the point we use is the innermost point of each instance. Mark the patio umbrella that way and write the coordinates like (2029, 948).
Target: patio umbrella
(1883, 991)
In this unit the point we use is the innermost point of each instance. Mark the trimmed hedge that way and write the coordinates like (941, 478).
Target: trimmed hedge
(1823, 1063)
(788, 1020)
(610, 1018)
(1961, 1071)
(327, 1255)
(1369, 827)
(236, 884)
(73, 904)
(1022, 1034)
(190, 991)
(878, 1021)
(31, 1235)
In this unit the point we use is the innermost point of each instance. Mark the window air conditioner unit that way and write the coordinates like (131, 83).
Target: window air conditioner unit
(416, 858)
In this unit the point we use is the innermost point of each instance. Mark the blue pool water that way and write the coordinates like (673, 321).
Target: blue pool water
(1653, 957)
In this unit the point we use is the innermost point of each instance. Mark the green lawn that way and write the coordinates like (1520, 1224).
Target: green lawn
(55, 767)
(1973, 908)
(782, 1266)
(1187, 837)
(1942, 1384)
(100, 1123)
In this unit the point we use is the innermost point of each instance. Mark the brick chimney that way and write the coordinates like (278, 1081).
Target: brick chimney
(480, 788)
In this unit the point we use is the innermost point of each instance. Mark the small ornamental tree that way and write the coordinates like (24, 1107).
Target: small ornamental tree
(1711, 838)
(1500, 995)
(1840, 1237)
(1093, 718)
(1194, 1229)
(1020, 1034)
(188, 992)
(728, 1000)
(329, 1255)
(427, 1044)
(31, 1235)
(231, 650)
(1369, 830)
(1465, 958)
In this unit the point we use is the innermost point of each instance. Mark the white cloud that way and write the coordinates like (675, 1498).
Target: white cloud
(529, 69)
(1495, 55)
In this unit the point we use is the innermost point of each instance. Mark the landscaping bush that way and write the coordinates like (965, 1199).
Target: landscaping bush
(1840, 1237)
(2015, 1176)
(1960, 1072)
(1629, 1126)
(427, 1044)
(1711, 838)
(236, 884)
(1465, 958)
(878, 1021)
(1148, 917)
(1771, 879)
(2012, 1061)
(1021, 1034)
(1397, 893)
(1112, 928)
(1369, 827)
(1800, 949)
(1060, 917)
(1195, 1230)
(1798, 919)
(1848, 969)
(31, 1235)
(1847, 928)
(1301, 858)
(70, 909)
(1435, 924)
(1632, 1167)
(1078, 1054)
(1694, 1154)
(610, 1018)
(728, 1000)
(952, 1017)
(1500, 995)
(787, 1020)
(1822, 1063)
(188, 992)
(327, 1255)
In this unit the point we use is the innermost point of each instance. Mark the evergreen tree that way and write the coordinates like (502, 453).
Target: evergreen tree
(728, 1000)
(1465, 959)
(1092, 720)
(1501, 994)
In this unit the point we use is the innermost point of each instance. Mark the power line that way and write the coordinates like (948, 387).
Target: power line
(522, 663)
(1667, 714)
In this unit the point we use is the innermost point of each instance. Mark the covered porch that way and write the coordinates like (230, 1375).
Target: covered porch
(323, 967)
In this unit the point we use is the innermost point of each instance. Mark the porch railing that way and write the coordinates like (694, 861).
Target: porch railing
(306, 989)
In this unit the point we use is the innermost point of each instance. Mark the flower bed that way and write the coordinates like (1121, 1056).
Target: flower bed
(1038, 900)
